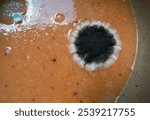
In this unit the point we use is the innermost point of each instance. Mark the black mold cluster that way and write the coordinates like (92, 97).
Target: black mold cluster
(94, 44)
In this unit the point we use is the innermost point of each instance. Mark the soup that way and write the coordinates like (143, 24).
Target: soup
(36, 66)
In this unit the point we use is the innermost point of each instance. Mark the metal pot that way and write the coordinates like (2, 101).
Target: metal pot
(138, 87)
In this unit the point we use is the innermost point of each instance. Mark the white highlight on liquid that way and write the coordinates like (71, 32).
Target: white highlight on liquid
(94, 66)
(8, 50)
(42, 12)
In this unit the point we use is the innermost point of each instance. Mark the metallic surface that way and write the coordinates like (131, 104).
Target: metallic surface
(138, 86)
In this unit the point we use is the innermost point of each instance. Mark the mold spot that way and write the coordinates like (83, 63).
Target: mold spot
(75, 93)
(5, 54)
(33, 100)
(44, 67)
(120, 74)
(94, 45)
(53, 60)
(76, 21)
(52, 88)
(12, 66)
(5, 85)
(98, 3)
(38, 47)
(77, 83)
(92, 3)
(136, 95)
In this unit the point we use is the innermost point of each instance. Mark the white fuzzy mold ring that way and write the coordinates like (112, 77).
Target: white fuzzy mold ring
(94, 45)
